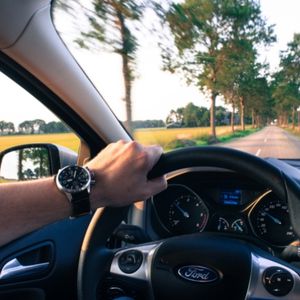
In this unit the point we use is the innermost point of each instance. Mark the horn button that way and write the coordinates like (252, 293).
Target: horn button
(208, 267)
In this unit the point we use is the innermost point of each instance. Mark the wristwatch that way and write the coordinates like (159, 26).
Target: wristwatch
(76, 181)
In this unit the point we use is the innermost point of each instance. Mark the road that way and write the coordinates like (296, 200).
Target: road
(269, 142)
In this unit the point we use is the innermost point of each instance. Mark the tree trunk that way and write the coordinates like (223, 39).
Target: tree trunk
(127, 99)
(286, 117)
(280, 120)
(232, 118)
(127, 72)
(253, 118)
(258, 121)
(20, 165)
(242, 113)
(293, 117)
(213, 117)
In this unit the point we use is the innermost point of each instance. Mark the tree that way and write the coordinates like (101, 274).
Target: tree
(222, 116)
(10, 127)
(38, 125)
(239, 68)
(148, 124)
(191, 115)
(25, 127)
(194, 116)
(110, 26)
(200, 29)
(55, 127)
(287, 79)
(7, 127)
(175, 116)
(2, 126)
(261, 105)
(38, 159)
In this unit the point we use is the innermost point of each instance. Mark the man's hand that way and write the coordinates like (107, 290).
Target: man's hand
(121, 174)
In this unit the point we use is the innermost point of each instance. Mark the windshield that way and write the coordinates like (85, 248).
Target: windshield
(193, 72)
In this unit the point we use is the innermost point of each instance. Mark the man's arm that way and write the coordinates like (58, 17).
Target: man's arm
(121, 178)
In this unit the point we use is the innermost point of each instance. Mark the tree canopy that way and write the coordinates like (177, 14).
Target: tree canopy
(211, 35)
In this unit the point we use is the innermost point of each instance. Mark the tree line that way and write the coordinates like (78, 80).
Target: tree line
(189, 116)
(39, 126)
(194, 116)
(36, 126)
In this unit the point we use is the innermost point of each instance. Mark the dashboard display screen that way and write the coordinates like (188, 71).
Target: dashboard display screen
(231, 197)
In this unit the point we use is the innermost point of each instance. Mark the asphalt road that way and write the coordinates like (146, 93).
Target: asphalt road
(269, 142)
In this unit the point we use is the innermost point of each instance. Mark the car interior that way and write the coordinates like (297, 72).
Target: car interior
(226, 227)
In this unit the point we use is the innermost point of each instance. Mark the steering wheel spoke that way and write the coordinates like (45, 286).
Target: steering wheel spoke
(270, 279)
(134, 262)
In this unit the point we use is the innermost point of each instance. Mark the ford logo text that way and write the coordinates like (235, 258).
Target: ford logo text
(198, 274)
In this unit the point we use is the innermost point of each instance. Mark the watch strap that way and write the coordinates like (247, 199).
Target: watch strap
(80, 203)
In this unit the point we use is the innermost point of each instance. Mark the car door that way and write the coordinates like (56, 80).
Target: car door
(42, 264)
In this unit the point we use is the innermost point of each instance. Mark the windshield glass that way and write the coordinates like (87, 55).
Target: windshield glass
(193, 72)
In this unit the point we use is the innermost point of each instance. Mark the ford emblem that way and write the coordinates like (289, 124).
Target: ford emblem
(198, 274)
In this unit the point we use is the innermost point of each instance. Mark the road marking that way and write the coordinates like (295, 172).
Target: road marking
(265, 140)
(258, 152)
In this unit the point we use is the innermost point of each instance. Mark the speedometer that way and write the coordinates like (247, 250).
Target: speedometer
(271, 222)
(187, 214)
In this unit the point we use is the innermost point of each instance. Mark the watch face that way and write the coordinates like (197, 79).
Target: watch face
(73, 179)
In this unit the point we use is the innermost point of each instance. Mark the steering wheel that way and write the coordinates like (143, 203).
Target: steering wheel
(202, 265)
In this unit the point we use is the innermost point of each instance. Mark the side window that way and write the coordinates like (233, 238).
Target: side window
(24, 120)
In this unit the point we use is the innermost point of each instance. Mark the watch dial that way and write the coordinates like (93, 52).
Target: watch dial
(73, 178)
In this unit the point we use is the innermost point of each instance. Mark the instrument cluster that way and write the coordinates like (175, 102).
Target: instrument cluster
(250, 211)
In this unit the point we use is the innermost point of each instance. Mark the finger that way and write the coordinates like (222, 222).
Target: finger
(154, 154)
(157, 185)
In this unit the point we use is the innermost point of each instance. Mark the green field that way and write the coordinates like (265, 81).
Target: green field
(160, 136)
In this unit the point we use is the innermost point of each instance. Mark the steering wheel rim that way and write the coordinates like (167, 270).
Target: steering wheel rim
(95, 258)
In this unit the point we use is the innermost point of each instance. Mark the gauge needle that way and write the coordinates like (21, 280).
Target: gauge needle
(239, 227)
(275, 220)
(185, 214)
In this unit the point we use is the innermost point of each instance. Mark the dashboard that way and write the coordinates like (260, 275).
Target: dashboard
(225, 202)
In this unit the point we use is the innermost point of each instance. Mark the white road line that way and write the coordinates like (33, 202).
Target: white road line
(265, 140)
(258, 152)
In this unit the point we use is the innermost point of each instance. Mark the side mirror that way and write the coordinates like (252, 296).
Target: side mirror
(33, 161)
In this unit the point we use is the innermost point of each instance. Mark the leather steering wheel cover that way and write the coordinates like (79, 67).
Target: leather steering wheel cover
(212, 156)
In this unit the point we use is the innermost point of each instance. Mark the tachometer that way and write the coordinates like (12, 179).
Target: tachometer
(187, 214)
(271, 222)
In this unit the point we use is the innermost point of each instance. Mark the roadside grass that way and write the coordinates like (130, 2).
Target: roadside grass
(68, 140)
(295, 132)
(237, 134)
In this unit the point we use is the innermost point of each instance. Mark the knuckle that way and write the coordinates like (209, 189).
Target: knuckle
(121, 142)
(134, 146)
(144, 158)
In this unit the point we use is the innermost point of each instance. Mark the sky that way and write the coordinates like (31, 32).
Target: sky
(155, 92)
